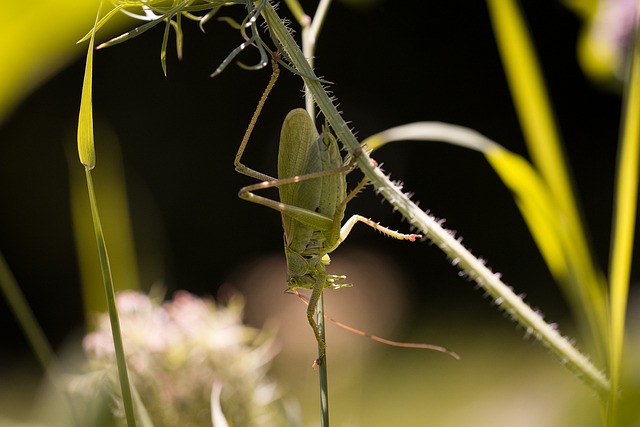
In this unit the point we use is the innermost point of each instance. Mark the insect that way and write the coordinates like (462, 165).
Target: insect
(312, 187)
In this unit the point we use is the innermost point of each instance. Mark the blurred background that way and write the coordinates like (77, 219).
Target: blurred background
(174, 139)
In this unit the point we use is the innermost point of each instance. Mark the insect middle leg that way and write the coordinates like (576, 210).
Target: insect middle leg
(305, 216)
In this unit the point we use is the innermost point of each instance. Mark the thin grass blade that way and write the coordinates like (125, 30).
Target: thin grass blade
(586, 290)
(101, 23)
(625, 211)
(86, 147)
(86, 151)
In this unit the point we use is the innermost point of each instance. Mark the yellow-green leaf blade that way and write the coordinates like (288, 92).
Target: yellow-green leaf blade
(536, 117)
(86, 143)
(626, 201)
(536, 204)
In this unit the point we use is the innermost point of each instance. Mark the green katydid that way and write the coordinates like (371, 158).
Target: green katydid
(313, 197)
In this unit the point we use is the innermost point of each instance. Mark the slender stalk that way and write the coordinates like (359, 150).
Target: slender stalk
(310, 31)
(431, 227)
(625, 211)
(111, 303)
(323, 376)
(87, 155)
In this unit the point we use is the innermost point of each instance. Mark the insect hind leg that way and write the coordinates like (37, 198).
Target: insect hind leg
(346, 229)
(316, 293)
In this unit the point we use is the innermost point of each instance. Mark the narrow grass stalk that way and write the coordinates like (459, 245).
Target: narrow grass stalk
(105, 268)
(116, 221)
(431, 227)
(323, 376)
(86, 152)
(625, 209)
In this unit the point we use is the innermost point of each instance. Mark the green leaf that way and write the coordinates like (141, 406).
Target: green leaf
(626, 201)
(536, 205)
(584, 287)
(86, 143)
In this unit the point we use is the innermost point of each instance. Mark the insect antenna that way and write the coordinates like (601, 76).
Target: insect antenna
(423, 346)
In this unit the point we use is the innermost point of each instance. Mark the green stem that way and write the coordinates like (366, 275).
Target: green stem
(625, 214)
(431, 227)
(111, 304)
(310, 31)
(323, 377)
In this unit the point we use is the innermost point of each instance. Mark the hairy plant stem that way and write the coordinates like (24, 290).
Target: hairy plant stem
(474, 268)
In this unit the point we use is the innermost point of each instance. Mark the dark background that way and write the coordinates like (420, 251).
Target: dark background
(392, 64)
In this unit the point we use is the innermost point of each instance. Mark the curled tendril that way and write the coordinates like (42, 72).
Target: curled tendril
(252, 40)
(205, 18)
(256, 41)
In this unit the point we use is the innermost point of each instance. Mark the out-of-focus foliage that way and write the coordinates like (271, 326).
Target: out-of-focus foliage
(605, 37)
(36, 40)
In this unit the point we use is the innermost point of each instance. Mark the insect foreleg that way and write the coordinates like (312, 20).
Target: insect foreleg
(239, 166)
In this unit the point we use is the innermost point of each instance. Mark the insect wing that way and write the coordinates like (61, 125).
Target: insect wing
(298, 155)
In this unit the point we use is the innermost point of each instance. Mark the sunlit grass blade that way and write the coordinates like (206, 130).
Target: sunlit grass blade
(86, 151)
(537, 206)
(101, 22)
(86, 145)
(586, 289)
(111, 304)
(111, 185)
(530, 191)
(625, 210)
